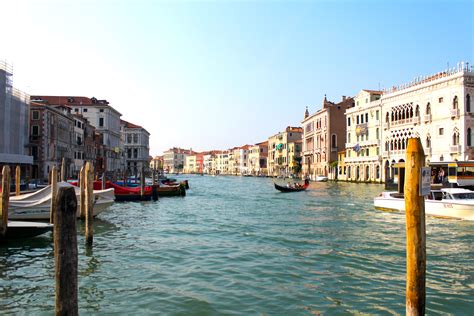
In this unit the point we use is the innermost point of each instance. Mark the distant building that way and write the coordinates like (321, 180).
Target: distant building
(222, 162)
(156, 164)
(257, 161)
(174, 159)
(102, 116)
(278, 154)
(324, 134)
(364, 132)
(52, 138)
(14, 122)
(136, 147)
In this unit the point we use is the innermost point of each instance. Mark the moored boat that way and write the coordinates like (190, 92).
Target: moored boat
(127, 193)
(36, 205)
(321, 178)
(21, 229)
(446, 202)
(293, 188)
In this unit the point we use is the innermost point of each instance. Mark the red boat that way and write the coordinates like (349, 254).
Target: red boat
(128, 193)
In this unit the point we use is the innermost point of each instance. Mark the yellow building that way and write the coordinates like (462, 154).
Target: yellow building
(257, 159)
(190, 165)
(278, 154)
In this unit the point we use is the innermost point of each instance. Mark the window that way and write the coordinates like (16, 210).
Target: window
(428, 142)
(367, 152)
(348, 121)
(101, 110)
(84, 110)
(377, 133)
(362, 119)
(366, 117)
(366, 100)
(129, 138)
(348, 137)
(35, 130)
(135, 138)
(428, 109)
(440, 100)
(377, 115)
(417, 110)
(455, 102)
(441, 131)
(35, 115)
(333, 141)
(135, 153)
(357, 119)
(357, 103)
(101, 121)
(34, 152)
(76, 110)
(129, 153)
(455, 138)
(468, 103)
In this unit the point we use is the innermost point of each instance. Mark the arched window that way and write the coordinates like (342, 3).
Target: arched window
(393, 117)
(428, 109)
(411, 111)
(387, 146)
(403, 114)
(377, 172)
(455, 138)
(333, 141)
(387, 118)
(455, 102)
(428, 141)
(469, 141)
(391, 145)
(468, 103)
(417, 111)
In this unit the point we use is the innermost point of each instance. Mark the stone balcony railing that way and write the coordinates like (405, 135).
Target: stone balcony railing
(455, 149)
(427, 118)
(454, 112)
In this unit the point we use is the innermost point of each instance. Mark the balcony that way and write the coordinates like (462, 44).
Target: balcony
(455, 149)
(427, 118)
(454, 112)
(386, 125)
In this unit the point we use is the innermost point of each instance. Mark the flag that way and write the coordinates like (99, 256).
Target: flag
(357, 148)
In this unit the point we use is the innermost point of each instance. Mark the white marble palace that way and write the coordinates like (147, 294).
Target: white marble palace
(437, 108)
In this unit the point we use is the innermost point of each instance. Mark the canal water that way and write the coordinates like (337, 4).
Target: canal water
(235, 245)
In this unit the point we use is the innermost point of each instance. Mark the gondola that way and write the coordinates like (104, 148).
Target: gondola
(292, 189)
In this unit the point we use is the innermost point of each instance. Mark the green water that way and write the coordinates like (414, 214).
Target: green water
(235, 245)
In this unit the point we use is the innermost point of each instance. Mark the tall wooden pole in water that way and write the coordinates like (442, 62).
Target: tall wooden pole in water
(82, 188)
(65, 252)
(54, 192)
(416, 231)
(17, 180)
(5, 197)
(89, 178)
(63, 170)
(103, 180)
(142, 182)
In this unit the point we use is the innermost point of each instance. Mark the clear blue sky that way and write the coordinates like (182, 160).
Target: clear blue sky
(218, 74)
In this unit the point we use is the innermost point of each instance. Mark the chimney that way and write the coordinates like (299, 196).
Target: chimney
(343, 98)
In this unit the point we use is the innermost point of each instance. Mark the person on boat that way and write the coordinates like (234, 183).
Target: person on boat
(288, 185)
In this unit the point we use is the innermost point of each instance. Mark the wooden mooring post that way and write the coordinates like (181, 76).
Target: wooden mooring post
(142, 182)
(89, 200)
(103, 180)
(65, 252)
(63, 170)
(17, 180)
(415, 230)
(82, 198)
(54, 192)
(5, 198)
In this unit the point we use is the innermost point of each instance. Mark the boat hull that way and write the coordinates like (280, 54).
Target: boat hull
(37, 205)
(432, 207)
(17, 230)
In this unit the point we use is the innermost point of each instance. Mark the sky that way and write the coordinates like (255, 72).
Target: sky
(217, 74)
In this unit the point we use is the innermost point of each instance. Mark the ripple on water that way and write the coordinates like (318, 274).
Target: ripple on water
(237, 246)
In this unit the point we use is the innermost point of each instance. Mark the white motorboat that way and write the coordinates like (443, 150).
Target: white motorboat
(321, 178)
(36, 205)
(17, 229)
(446, 202)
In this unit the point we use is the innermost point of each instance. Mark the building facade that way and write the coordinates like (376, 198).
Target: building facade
(278, 151)
(174, 159)
(364, 132)
(257, 161)
(324, 134)
(136, 147)
(14, 122)
(438, 109)
(103, 117)
(52, 138)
